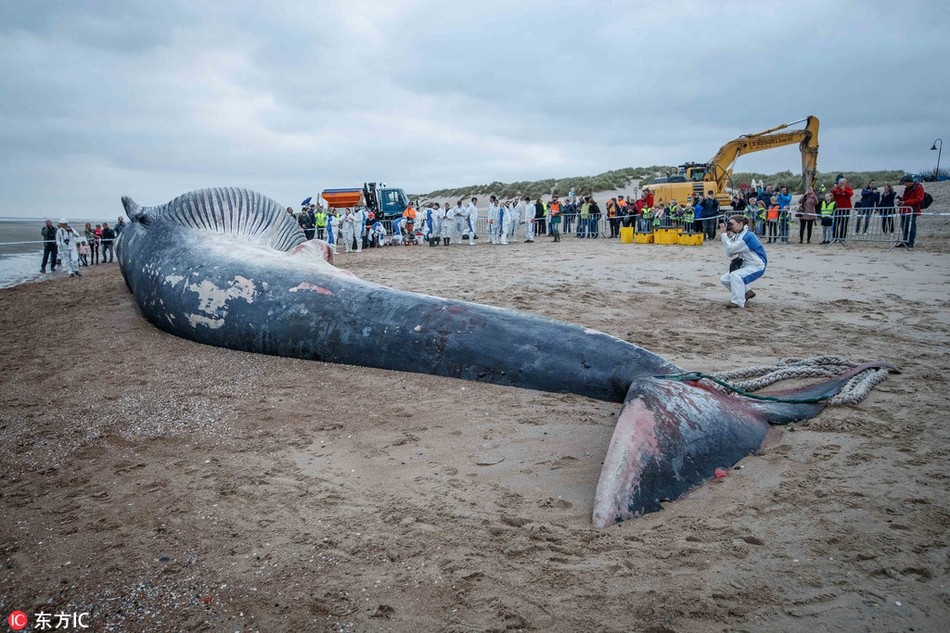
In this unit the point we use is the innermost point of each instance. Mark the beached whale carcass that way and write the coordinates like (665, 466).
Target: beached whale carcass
(229, 267)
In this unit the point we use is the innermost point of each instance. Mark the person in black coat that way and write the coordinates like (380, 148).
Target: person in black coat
(49, 246)
(710, 215)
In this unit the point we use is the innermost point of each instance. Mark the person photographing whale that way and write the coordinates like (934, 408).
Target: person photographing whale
(749, 259)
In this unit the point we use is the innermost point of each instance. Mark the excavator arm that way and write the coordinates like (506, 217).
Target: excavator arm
(720, 167)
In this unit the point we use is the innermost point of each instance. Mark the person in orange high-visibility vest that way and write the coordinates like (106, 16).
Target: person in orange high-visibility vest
(554, 211)
(622, 211)
(410, 215)
(771, 219)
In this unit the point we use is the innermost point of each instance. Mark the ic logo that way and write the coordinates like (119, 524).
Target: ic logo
(17, 620)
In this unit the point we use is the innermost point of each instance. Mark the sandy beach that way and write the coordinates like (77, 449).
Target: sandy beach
(163, 485)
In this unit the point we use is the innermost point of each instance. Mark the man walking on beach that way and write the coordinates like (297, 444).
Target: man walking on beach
(49, 246)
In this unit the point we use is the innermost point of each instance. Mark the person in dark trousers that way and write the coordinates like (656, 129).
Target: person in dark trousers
(807, 214)
(870, 199)
(49, 246)
(108, 237)
(842, 193)
(888, 196)
(594, 218)
(910, 202)
(540, 224)
(710, 215)
(307, 222)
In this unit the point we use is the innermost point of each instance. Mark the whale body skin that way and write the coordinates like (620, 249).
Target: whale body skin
(229, 267)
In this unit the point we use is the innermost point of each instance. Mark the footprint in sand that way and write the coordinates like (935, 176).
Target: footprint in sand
(826, 452)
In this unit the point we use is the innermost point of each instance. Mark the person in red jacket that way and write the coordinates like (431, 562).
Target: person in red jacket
(909, 209)
(842, 193)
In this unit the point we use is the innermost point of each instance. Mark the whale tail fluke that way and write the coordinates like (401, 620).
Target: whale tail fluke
(794, 405)
(672, 435)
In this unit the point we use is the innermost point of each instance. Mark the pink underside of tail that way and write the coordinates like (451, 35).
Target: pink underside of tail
(634, 440)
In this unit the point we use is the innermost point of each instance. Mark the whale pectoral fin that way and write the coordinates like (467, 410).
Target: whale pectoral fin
(670, 437)
(134, 211)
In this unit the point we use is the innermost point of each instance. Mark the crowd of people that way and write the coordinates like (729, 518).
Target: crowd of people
(770, 211)
(66, 247)
(760, 213)
(446, 224)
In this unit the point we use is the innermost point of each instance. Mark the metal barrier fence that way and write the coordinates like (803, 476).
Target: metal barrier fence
(889, 226)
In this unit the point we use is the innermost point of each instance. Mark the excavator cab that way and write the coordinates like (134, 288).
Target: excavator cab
(696, 172)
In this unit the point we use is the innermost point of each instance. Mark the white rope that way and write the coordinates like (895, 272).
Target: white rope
(854, 391)
(859, 387)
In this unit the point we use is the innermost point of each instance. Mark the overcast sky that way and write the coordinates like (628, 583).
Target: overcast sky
(153, 99)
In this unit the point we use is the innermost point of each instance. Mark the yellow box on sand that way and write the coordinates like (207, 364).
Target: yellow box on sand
(626, 235)
(666, 236)
(643, 238)
(691, 239)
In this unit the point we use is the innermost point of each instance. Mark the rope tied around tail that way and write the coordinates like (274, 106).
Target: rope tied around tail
(754, 378)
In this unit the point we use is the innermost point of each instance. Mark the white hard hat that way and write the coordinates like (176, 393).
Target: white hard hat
(63, 221)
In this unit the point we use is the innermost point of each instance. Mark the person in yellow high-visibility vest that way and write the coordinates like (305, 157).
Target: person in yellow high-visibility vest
(826, 213)
(646, 219)
(320, 221)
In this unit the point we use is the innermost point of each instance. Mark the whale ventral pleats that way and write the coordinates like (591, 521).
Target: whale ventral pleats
(237, 212)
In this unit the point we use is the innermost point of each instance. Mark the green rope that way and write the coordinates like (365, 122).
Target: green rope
(696, 375)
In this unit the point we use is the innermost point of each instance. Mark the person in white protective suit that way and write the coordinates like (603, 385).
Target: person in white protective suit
(742, 243)
(448, 224)
(527, 210)
(471, 221)
(438, 222)
(333, 229)
(347, 230)
(514, 206)
(359, 227)
(377, 233)
(67, 242)
(459, 223)
(503, 224)
(493, 219)
(399, 225)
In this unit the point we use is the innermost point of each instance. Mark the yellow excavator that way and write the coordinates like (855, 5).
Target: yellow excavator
(697, 178)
